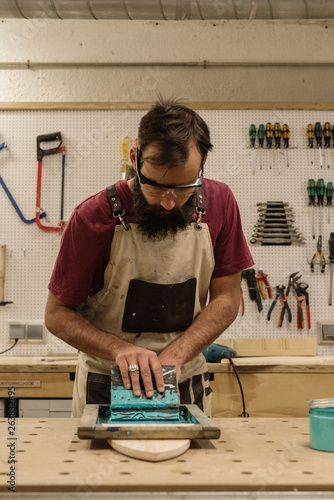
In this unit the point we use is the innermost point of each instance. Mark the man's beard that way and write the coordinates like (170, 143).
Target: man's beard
(156, 225)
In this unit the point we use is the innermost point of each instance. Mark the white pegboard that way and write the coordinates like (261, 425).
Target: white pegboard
(92, 140)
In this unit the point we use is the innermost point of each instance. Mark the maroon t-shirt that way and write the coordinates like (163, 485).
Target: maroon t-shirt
(85, 246)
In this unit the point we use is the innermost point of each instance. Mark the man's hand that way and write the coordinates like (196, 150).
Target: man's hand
(148, 364)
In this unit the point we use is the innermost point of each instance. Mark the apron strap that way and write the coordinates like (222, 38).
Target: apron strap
(200, 207)
(116, 206)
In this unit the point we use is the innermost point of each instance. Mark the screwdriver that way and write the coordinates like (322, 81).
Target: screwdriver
(277, 136)
(327, 139)
(329, 196)
(252, 136)
(311, 197)
(320, 200)
(286, 134)
(310, 138)
(260, 135)
(269, 140)
(318, 138)
(331, 264)
(125, 155)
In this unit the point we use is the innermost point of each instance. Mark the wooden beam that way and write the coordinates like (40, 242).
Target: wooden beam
(198, 105)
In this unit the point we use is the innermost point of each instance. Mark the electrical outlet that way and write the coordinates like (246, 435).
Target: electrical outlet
(35, 331)
(326, 333)
(26, 331)
(17, 329)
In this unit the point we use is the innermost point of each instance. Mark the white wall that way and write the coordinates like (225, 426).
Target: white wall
(285, 60)
(260, 61)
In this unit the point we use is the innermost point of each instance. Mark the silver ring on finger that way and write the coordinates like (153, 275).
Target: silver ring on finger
(133, 368)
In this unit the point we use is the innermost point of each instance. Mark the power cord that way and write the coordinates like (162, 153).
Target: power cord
(10, 347)
(228, 356)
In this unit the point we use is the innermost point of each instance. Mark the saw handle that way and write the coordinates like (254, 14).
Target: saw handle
(48, 138)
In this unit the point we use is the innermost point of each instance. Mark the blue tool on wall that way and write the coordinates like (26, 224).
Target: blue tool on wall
(11, 199)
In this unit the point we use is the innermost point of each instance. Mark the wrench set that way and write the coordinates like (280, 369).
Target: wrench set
(275, 225)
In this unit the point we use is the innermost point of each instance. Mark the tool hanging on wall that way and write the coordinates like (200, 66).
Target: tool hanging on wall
(275, 225)
(263, 282)
(252, 136)
(277, 139)
(303, 290)
(126, 167)
(260, 135)
(285, 305)
(3, 302)
(318, 138)
(310, 140)
(40, 155)
(331, 266)
(11, 199)
(269, 141)
(286, 297)
(329, 197)
(327, 139)
(253, 289)
(286, 136)
(311, 201)
(320, 190)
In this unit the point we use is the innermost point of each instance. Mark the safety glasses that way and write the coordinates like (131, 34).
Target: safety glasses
(157, 190)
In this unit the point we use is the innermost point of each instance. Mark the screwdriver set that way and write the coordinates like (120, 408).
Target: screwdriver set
(319, 137)
(269, 137)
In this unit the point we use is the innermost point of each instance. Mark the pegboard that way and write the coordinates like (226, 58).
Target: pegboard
(93, 161)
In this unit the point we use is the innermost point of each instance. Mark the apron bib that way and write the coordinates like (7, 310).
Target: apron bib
(152, 292)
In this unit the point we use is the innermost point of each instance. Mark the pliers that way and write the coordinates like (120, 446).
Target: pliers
(319, 253)
(300, 289)
(263, 278)
(300, 298)
(285, 305)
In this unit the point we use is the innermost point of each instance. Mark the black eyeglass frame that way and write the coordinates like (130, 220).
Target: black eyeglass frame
(145, 180)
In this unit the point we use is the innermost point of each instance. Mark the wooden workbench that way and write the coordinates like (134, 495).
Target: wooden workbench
(253, 454)
(38, 376)
(277, 386)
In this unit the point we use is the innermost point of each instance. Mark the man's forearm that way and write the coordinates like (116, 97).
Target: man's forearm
(72, 328)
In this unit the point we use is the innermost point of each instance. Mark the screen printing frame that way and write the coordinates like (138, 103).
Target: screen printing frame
(204, 428)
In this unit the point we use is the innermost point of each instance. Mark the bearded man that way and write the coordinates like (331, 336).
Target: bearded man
(148, 273)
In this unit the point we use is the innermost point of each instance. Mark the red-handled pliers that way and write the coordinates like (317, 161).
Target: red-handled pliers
(303, 287)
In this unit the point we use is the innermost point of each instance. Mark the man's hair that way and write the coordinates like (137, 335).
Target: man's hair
(172, 126)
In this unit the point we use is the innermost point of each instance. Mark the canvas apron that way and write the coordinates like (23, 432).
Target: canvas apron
(152, 292)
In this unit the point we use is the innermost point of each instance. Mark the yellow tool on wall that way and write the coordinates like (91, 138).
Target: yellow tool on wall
(126, 165)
